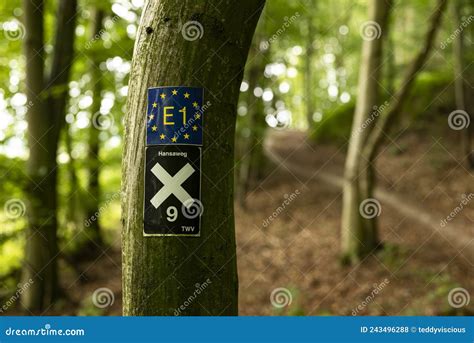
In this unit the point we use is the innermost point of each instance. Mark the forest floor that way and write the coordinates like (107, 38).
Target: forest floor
(298, 248)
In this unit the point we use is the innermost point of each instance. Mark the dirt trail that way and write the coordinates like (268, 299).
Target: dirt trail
(295, 161)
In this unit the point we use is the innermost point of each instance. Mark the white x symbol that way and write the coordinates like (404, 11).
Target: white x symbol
(172, 185)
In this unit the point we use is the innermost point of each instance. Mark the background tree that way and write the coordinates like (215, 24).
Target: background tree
(152, 266)
(45, 119)
(251, 159)
(462, 100)
(360, 231)
(359, 236)
(308, 67)
(94, 234)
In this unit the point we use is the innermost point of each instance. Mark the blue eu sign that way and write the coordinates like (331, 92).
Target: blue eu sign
(174, 116)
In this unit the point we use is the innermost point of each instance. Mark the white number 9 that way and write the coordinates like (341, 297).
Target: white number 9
(172, 213)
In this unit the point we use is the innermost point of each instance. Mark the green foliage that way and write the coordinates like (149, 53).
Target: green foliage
(440, 284)
(87, 308)
(291, 298)
(393, 256)
(335, 125)
(422, 104)
(13, 185)
(11, 253)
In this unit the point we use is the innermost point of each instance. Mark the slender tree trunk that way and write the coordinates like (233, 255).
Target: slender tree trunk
(93, 232)
(391, 65)
(252, 104)
(45, 119)
(161, 273)
(360, 232)
(358, 238)
(74, 196)
(40, 265)
(460, 86)
(308, 77)
(253, 158)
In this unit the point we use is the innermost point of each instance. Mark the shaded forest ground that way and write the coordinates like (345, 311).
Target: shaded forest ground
(298, 250)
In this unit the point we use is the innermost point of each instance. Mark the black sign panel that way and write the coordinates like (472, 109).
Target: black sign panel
(172, 191)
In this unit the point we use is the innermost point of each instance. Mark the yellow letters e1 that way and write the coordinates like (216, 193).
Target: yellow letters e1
(166, 115)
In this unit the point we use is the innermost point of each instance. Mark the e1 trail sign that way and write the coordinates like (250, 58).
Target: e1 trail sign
(172, 204)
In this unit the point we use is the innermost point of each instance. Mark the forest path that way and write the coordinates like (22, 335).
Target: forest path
(292, 150)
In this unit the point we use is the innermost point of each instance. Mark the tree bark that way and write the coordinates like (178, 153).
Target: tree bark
(359, 237)
(161, 273)
(45, 118)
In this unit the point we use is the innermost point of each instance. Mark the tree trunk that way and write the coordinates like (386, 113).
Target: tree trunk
(252, 159)
(460, 86)
(390, 70)
(73, 211)
(309, 86)
(40, 264)
(45, 119)
(161, 273)
(359, 236)
(361, 232)
(93, 231)
(252, 103)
